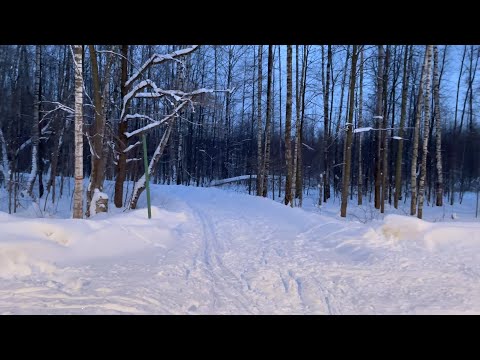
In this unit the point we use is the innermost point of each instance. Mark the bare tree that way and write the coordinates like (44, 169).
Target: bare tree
(384, 139)
(426, 131)
(121, 167)
(78, 193)
(416, 134)
(407, 67)
(35, 123)
(326, 125)
(379, 117)
(438, 127)
(288, 130)
(453, 163)
(259, 124)
(348, 147)
(266, 159)
(360, 137)
(97, 175)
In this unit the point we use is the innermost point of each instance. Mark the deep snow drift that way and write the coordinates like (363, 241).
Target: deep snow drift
(210, 251)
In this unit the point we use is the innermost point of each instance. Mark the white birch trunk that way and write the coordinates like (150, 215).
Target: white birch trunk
(416, 134)
(438, 127)
(426, 130)
(78, 192)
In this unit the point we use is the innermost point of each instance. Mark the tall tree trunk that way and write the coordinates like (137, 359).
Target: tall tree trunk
(438, 128)
(407, 67)
(259, 125)
(97, 134)
(416, 134)
(326, 132)
(78, 194)
(280, 118)
(348, 147)
(384, 139)
(336, 152)
(360, 137)
(379, 117)
(266, 160)
(36, 117)
(121, 167)
(297, 121)
(59, 125)
(426, 131)
(453, 152)
(288, 130)
(299, 172)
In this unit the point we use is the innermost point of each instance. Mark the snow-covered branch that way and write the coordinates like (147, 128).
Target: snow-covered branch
(139, 116)
(156, 92)
(92, 150)
(130, 147)
(233, 179)
(369, 128)
(29, 141)
(308, 147)
(158, 59)
(158, 122)
(183, 99)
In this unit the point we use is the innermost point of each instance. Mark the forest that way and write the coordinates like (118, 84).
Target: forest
(380, 124)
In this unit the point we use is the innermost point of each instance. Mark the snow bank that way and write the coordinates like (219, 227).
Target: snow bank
(444, 237)
(402, 228)
(23, 241)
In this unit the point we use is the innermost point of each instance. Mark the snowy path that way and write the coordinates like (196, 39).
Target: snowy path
(207, 251)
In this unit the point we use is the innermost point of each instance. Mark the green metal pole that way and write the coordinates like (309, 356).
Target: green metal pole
(147, 180)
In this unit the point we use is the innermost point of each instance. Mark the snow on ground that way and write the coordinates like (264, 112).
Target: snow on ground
(211, 251)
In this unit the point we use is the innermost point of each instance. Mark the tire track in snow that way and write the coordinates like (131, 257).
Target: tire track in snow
(224, 283)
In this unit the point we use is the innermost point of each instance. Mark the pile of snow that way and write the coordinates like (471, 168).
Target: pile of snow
(445, 237)
(401, 228)
(24, 242)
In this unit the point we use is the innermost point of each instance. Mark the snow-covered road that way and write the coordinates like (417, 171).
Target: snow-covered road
(208, 251)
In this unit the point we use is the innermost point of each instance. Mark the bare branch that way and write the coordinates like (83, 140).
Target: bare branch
(158, 59)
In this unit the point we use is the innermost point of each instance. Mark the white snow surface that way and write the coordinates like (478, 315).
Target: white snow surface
(211, 251)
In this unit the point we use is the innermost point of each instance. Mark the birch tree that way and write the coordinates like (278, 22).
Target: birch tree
(416, 134)
(266, 159)
(379, 116)
(426, 131)
(259, 124)
(438, 128)
(288, 130)
(78, 192)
